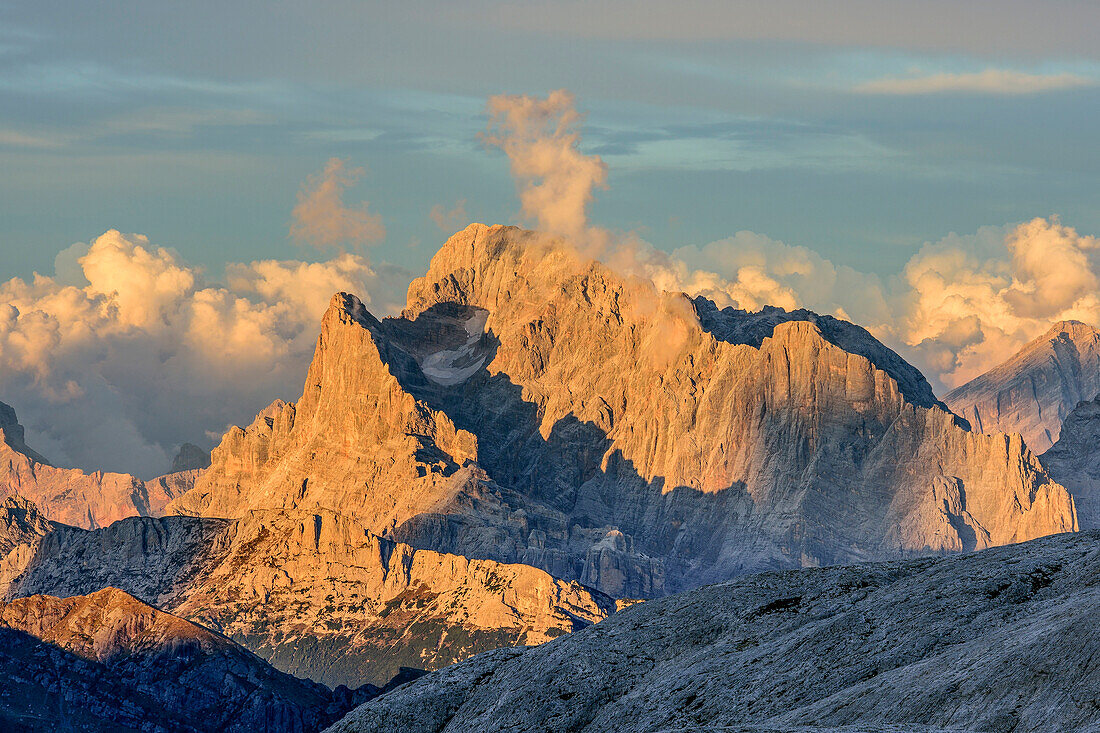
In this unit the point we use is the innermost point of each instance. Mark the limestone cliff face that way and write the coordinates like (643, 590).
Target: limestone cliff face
(356, 442)
(107, 661)
(72, 496)
(1034, 391)
(1075, 460)
(533, 406)
(718, 438)
(315, 594)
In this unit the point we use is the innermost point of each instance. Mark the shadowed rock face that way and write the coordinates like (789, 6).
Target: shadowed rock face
(190, 457)
(1034, 391)
(1075, 461)
(1004, 639)
(20, 523)
(72, 496)
(640, 442)
(316, 595)
(107, 661)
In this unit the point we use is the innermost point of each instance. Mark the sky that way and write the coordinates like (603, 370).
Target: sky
(217, 151)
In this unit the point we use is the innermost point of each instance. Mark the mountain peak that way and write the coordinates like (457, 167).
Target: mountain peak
(190, 457)
(13, 434)
(1076, 330)
(1032, 392)
(346, 307)
(747, 327)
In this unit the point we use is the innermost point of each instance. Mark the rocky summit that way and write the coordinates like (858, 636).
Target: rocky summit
(108, 662)
(532, 405)
(1034, 391)
(1001, 640)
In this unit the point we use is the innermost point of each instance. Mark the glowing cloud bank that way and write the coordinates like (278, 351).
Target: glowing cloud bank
(127, 351)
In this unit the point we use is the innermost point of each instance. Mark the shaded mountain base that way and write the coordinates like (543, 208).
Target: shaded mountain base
(108, 662)
(1006, 639)
(315, 594)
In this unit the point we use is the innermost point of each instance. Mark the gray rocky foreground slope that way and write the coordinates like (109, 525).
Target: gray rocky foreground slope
(1007, 639)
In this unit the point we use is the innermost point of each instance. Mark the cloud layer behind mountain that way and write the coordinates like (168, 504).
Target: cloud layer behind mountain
(126, 351)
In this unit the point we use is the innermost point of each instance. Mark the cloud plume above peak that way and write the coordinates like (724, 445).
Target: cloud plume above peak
(127, 351)
(321, 219)
(960, 307)
(540, 137)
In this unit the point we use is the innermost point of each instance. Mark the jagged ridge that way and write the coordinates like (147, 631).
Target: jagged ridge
(72, 496)
(613, 437)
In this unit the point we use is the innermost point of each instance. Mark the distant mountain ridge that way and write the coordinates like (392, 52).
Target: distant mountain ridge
(1034, 391)
(72, 496)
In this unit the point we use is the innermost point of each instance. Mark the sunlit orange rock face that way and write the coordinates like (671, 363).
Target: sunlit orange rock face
(71, 496)
(532, 405)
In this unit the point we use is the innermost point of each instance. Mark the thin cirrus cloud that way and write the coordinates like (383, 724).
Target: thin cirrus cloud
(987, 81)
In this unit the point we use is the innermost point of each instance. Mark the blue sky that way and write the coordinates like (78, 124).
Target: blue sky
(861, 130)
(927, 169)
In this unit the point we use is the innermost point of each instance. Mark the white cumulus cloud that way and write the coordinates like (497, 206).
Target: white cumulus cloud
(127, 351)
(971, 302)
